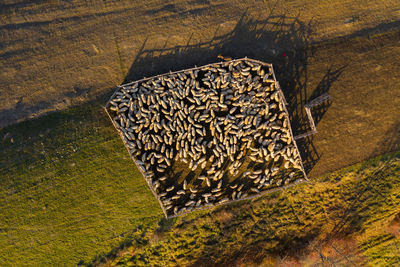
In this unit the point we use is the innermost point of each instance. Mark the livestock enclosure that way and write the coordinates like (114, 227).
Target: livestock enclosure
(208, 135)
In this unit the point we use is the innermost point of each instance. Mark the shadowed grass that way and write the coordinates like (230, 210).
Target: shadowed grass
(310, 224)
(69, 190)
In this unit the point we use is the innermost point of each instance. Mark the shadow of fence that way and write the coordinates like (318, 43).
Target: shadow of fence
(282, 41)
(323, 87)
(390, 141)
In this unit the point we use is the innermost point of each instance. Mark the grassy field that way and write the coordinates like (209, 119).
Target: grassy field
(347, 218)
(68, 190)
(70, 194)
(63, 52)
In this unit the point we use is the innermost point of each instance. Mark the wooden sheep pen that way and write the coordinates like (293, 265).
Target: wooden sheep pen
(208, 135)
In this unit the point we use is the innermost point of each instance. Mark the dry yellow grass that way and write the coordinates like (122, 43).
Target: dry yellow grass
(57, 54)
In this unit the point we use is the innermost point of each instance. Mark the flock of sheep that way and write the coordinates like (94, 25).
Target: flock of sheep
(226, 123)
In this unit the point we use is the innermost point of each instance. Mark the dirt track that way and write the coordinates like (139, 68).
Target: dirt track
(58, 55)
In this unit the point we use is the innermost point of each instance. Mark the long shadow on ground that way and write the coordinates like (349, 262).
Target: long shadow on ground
(282, 41)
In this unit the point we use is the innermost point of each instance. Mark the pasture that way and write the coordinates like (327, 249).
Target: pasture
(69, 193)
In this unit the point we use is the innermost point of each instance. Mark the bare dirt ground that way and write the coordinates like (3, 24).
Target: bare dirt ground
(54, 55)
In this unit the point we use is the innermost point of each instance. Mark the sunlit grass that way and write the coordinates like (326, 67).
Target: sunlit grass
(70, 194)
(296, 225)
(69, 190)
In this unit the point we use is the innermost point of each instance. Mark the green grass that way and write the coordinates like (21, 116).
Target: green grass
(70, 194)
(68, 189)
(382, 249)
(357, 203)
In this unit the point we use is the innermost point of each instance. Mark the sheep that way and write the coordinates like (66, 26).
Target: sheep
(169, 118)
